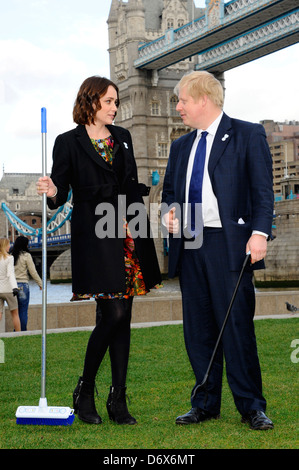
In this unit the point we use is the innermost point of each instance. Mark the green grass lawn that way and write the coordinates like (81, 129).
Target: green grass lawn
(159, 383)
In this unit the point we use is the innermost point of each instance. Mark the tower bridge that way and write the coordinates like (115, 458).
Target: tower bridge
(226, 36)
(142, 48)
(55, 223)
(56, 244)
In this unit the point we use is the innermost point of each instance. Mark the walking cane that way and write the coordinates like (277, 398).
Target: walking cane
(204, 384)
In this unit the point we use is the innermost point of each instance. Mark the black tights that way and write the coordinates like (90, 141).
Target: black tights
(112, 331)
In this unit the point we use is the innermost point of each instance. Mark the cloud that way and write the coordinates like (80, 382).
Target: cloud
(31, 78)
(34, 76)
(25, 66)
(265, 88)
(47, 49)
(92, 36)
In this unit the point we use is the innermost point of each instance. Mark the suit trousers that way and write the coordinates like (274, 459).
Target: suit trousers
(207, 286)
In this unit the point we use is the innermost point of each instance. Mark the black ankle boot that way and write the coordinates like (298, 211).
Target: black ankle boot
(117, 406)
(83, 402)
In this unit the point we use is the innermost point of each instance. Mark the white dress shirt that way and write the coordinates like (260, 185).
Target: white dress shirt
(210, 211)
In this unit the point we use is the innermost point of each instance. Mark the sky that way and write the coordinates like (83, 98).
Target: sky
(47, 49)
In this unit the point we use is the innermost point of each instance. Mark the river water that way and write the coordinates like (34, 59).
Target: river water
(56, 293)
(62, 293)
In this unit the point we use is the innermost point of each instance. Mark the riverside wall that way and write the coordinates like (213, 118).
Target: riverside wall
(282, 260)
(155, 308)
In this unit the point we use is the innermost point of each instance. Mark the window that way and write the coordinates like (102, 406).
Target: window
(155, 108)
(162, 149)
(126, 111)
(173, 102)
(170, 23)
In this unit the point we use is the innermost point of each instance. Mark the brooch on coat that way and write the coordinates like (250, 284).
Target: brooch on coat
(126, 145)
(225, 137)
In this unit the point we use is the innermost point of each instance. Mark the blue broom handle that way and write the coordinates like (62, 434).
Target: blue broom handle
(44, 120)
(44, 253)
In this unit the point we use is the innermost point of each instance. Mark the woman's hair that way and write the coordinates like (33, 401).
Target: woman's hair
(20, 244)
(88, 99)
(4, 242)
(201, 83)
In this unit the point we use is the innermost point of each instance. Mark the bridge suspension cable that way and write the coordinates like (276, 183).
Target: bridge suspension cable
(57, 221)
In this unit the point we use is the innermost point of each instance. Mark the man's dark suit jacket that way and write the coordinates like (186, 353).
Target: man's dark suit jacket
(240, 169)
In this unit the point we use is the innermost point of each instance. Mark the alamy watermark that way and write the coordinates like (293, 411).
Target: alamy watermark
(111, 221)
(295, 353)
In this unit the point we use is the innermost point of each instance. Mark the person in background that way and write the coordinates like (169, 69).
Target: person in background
(96, 160)
(8, 283)
(24, 266)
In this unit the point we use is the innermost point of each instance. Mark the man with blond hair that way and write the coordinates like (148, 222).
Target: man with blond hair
(218, 206)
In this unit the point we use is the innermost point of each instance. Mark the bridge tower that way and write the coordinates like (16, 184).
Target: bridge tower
(147, 110)
(147, 98)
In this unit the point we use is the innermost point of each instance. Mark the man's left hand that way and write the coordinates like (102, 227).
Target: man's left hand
(257, 245)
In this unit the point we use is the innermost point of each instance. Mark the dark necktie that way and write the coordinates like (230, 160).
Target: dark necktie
(195, 189)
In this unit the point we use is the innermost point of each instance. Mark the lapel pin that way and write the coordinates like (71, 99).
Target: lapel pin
(126, 145)
(225, 137)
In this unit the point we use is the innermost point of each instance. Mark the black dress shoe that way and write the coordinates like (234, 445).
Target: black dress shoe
(195, 415)
(257, 420)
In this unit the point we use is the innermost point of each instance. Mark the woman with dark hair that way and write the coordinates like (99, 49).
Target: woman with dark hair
(24, 265)
(96, 160)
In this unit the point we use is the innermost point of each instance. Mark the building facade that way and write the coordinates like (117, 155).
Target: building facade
(283, 139)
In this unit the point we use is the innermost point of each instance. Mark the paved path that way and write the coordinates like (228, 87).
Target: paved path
(134, 325)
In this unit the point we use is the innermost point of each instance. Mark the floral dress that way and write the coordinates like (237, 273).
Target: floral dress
(134, 281)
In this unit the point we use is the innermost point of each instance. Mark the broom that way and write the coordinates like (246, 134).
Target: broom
(44, 414)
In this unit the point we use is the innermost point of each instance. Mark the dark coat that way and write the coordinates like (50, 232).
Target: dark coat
(240, 169)
(98, 263)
